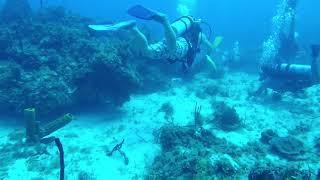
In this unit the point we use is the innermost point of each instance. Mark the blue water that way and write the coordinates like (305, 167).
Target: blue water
(237, 20)
(135, 117)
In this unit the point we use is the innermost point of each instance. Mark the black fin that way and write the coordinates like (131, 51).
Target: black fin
(141, 12)
(315, 49)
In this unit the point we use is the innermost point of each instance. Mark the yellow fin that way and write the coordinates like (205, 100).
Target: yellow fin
(217, 41)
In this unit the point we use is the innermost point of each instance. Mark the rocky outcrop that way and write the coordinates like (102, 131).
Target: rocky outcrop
(54, 62)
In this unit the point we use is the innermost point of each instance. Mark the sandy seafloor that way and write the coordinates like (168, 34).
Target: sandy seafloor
(88, 137)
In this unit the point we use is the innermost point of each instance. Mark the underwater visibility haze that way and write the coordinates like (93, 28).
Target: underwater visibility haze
(172, 89)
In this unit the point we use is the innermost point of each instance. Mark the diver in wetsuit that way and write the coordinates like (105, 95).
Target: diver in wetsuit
(291, 77)
(182, 38)
(279, 73)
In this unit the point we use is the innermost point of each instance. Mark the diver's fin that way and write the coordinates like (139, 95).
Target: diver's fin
(100, 27)
(217, 41)
(315, 51)
(113, 27)
(212, 63)
(141, 12)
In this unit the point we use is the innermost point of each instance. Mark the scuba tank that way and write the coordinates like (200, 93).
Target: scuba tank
(186, 27)
(288, 71)
(189, 28)
(295, 69)
(286, 77)
(182, 25)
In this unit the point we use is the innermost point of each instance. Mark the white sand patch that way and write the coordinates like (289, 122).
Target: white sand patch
(87, 139)
(19, 171)
(7, 125)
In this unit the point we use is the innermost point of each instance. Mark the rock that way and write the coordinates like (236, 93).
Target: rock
(185, 164)
(267, 136)
(10, 73)
(168, 111)
(83, 175)
(226, 117)
(186, 154)
(272, 172)
(16, 10)
(317, 144)
(288, 147)
(53, 63)
(172, 136)
(224, 165)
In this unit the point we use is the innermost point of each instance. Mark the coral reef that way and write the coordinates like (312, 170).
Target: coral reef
(226, 117)
(267, 136)
(181, 165)
(288, 147)
(16, 149)
(16, 10)
(193, 152)
(86, 176)
(317, 144)
(186, 153)
(290, 172)
(33, 145)
(168, 111)
(54, 62)
(224, 165)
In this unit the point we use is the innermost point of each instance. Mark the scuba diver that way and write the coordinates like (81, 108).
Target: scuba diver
(279, 73)
(291, 77)
(182, 38)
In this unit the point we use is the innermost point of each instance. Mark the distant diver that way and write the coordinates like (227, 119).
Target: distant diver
(182, 38)
(284, 77)
(278, 70)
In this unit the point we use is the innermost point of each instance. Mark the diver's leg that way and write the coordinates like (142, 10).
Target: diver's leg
(207, 44)
(123, 25)
(140, 41)
(170, 35)
(209, 49)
